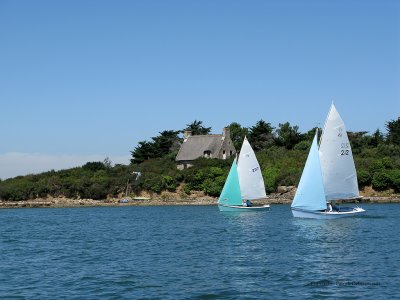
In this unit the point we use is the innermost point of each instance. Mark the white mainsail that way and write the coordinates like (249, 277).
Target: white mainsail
(337, 164)
(250, 177)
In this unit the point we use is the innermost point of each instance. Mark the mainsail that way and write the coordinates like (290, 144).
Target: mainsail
(230, 194)
(250, 177)
(337, 164)
(310, 192)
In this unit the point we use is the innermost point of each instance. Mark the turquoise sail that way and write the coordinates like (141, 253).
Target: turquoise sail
(230, 194)
(310, 194)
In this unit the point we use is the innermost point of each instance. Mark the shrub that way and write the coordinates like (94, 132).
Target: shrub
(395, 178)
(381, 181)
(364, 178)
(186, 189)
(270, 179)
(169, 183)
(303, 145)
(213, 187)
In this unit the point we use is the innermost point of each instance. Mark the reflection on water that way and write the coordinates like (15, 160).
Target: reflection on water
(329, 244)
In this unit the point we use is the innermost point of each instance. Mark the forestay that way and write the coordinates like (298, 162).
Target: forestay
(310, 193)
(250, 177)
(230, 194)
(338, 170)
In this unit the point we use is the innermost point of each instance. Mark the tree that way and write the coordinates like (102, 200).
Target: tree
(107, 163)
(166, 142)
(376, 138)
(197, 128)
(393, 128)
(94, 166)
(287, 135)
(161, 145)
(261, 135)
(237, 134)
(358, 140)
(143, 151)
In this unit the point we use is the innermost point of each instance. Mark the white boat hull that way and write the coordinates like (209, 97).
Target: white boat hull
(236, 208)
(298, 213)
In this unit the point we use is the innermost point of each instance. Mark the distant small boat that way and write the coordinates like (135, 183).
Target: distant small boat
(310, 200)
(141, 198)
(244, 183)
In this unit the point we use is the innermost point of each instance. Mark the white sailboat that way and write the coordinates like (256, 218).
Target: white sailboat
(333, 164)
(337, 164)
(310, 201)
(244, 183)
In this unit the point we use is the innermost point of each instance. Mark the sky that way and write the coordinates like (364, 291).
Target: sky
(85, 80)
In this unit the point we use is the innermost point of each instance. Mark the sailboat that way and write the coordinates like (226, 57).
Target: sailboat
(310, 201)
(337, 163)
(244, 183)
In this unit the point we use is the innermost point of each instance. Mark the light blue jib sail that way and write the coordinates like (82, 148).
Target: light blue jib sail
(231, 194)
(310, 193)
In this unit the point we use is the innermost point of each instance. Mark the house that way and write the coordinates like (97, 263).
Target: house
(210, 146)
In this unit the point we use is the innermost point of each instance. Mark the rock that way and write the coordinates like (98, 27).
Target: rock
(282, 189)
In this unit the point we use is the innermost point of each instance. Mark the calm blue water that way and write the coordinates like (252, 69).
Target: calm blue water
(197, 252)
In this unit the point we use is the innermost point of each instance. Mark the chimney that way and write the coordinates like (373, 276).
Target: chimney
(186, 134)
(226, 132)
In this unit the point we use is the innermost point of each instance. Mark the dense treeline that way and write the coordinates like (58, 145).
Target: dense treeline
(94, 180)
(281, 152)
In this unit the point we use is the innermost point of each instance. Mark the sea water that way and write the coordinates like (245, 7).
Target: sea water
(197, 252)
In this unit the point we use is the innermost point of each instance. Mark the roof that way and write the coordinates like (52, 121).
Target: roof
(195, 145)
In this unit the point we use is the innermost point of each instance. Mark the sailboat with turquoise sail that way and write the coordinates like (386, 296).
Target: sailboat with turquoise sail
(310, 201)
(244, 183)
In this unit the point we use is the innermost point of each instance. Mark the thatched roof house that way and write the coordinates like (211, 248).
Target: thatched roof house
(210, 146)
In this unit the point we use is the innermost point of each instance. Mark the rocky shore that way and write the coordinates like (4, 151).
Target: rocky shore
(284, 195)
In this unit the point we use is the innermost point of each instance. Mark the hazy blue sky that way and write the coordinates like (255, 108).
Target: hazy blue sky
(87, 79)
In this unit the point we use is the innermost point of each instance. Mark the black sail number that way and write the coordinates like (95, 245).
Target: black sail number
(344, 152)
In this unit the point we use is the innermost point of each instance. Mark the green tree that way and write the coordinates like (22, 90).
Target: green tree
(358, 140)
(395, 178)
(143, 151)
(166, 142)
(393, 134)
(381, 181)
(237, 134)
(287, 135)
(376, 138)
(160, 146)
(197, 128)
(94, 166)
(364, 178)
(261, 135)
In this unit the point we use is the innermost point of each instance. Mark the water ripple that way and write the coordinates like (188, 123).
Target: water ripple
(196, 253)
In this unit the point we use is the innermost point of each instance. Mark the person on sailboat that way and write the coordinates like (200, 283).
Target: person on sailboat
(329, 207)
(335, 207)
(247, 203)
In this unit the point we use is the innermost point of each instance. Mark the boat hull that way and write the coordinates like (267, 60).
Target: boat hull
(237, 208)
(327, 215)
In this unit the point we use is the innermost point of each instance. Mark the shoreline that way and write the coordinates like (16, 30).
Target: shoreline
(116, 202)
